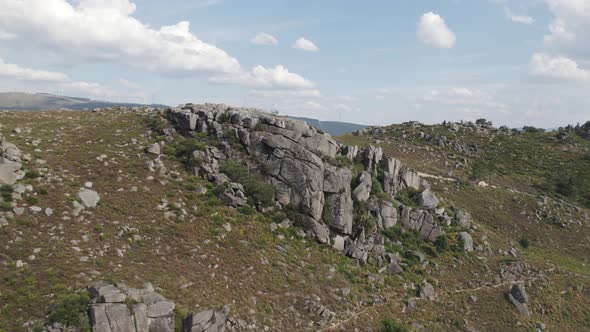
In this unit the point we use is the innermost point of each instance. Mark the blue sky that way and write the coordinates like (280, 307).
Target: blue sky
(375, 62)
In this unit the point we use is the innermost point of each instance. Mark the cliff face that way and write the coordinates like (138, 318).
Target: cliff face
(337, 188)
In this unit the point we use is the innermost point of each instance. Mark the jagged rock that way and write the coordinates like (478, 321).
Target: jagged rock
(205, 321)
(467, 241)
(463, 219)
(384, 212)
(422, 222)
(154, 149)
(319, 231)
(426, 290)
(395, 268)
(352, 151)
(519, 298)
(235, 195)
(8, 173)
(428, 200)
(296, 159)
(362, 192)
(519, 293)
(372, 157)
(88, 198)
(338, 242)
(10, 163)
(338, 200)
(109, 312)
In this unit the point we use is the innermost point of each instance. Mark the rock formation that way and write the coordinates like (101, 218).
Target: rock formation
(124, 309)
(10, 163)
(300, 163)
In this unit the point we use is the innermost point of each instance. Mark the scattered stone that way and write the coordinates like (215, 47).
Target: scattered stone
(154, 149)
(88, 198)
(426, 291)
(467, 241)
(518, 297)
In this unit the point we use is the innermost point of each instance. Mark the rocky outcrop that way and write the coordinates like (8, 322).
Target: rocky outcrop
(10, 163)
(205, 321)
(123, 309)
(519, 298)
(299, 161)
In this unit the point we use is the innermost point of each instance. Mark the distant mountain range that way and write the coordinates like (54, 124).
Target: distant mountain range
(45, 101)
(333, 128)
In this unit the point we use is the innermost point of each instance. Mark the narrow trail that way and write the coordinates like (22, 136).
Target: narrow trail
(353, 316)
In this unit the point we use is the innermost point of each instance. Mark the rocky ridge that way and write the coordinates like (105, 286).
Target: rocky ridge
(303, 166)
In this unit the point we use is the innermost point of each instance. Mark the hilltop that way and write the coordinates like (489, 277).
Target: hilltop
(45, 101)
(274, 225)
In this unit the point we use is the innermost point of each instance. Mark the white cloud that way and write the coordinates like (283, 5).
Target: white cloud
(105, 30)
(569, 30)
(305, 44)
(342, 108)
(313, 105)
(4, 35)
(524, 19)
(461, 99)
(286, 93)
(433, 31)
(557, 67)
(56, 80)
(14, 71)
(128, 84)
(264, 38)
(260, 76)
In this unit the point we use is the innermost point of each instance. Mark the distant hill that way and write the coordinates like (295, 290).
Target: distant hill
(45, 101)
(333, 128)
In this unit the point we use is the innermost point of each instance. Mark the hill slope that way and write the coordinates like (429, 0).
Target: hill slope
(45, 101)
(156, 222)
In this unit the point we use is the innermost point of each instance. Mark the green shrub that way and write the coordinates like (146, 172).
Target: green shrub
(327, 213)
(442, 243)
(6, 193)
(408, 238)
(258, 191)
(389, 325)
(342, 161)
(5, 206)
(408, 197)
(532, 130)
(247, 210)
(182, 148)
(524, 242)
(157, 124)
(33, 174)
(32, 200)
(70, 310)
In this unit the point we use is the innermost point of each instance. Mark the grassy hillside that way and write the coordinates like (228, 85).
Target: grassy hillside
(160, 228)
(45, 101)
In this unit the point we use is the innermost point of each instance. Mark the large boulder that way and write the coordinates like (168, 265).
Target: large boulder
(467, 241)
(88, 198)
(428, 200)
(10, 163)
(463, 219)
(9, 173)
(519, 298)
(338, 201)
(363, 190)
(205, 321)
(109, 310)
